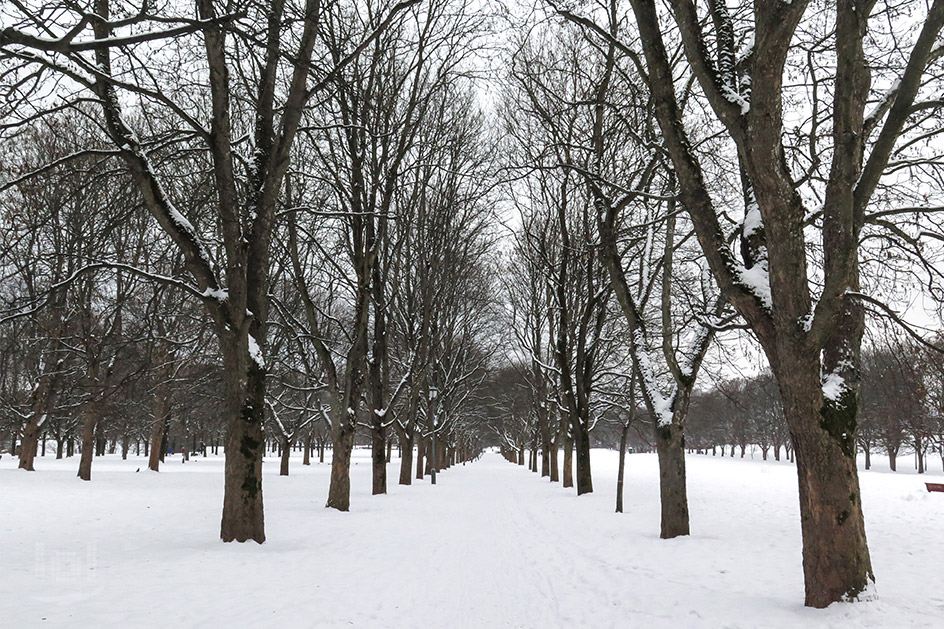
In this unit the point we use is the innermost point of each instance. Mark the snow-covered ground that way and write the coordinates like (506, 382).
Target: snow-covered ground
(491, 545)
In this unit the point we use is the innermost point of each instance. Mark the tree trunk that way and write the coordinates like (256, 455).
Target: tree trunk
(406, 459)
(420, 442)
(836, 562)
(90, 419)
(244, 380)
(125, 443)
(835, 554)
(568, 460)
(378, 483)
(893, 460)
(555, 468)
(44, 399)
(286, 453)
(670, 445)
(868, 458)
(339, 490)
(622, 468)
(582, 443)
(534, 453)
(306, 457)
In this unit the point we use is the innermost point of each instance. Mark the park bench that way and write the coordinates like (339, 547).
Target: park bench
(935, 486)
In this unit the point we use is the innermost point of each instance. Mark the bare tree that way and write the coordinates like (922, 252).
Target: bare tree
(809, 326)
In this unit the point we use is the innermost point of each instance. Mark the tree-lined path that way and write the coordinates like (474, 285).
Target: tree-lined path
(490, 545)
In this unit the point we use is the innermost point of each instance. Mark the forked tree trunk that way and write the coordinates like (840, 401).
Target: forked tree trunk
(670, 445)
(244, 381)
(44, 400)
(836, 562)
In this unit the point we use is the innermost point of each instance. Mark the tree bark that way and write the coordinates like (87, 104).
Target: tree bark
(670, 445)
(339, 491)
(420, 442)
(44, 400)
(582, 443)
(555, 467)
(379, 458)
(835, 553)
(622, 468)
(90, 419)
(244, 380)
(283, 459)
(568, 460)
(406, 459)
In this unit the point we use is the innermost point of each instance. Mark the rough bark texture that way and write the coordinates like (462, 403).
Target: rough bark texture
(90, 419)
(244, 381)
(339, 492)
(555, 465)
(670, 445)
(406, 460)
(568, 460)
(379, 458)
(835, 549)
(582, 443)
(420, 452)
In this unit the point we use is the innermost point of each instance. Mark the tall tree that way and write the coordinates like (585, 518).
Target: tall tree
(810, 330)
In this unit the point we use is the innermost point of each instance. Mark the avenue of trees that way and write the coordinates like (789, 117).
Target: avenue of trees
(303, 225)
(212, 213)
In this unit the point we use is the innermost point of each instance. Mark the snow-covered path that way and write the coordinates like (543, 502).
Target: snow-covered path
(491, 545)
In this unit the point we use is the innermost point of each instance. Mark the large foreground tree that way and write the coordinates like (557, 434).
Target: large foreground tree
(806, 203)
